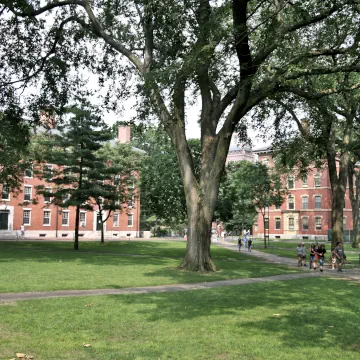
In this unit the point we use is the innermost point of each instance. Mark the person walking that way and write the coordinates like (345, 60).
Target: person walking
(321, 254)
(299, 254)
(239, 243)
(22, 231)
(304, 253)
(249, 245)
(313, 254)
(340, 256)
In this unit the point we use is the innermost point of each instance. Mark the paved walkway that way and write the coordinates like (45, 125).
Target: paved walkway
(349, 274)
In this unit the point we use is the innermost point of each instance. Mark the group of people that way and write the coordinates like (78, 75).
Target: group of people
(246, 241)
(317, 254)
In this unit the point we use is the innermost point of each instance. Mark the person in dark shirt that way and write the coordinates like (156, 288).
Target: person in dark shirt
(321, 254)
(339, 255)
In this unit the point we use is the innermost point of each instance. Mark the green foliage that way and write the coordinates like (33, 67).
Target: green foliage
(246, 189)
(14, 152)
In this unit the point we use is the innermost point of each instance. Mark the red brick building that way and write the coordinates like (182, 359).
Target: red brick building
(46, 220)
(306, 211)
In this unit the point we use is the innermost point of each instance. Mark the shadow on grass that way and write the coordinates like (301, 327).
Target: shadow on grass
(298, 311)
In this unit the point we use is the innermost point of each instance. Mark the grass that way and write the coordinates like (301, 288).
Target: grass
(38, 266)
(316, 318)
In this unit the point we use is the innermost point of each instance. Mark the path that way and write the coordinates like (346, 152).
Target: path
(350, 274)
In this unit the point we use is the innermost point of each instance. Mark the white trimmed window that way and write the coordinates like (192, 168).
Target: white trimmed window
(305, 202)
(305, 223)
(131, 200)
(318, 225)
(65, 218)
(116, 219)
(291, 223)
(305, 182)
(47, 218)
(317, 202)
(130, 220)
(28, 173)
(27, 217)
(47, 198)
(5, 194)
(266, 162)
(277, 223)
(27, 193)
(82, 218)
(266, 224)
(291, 202)
(291, 182)
(48, 170)
(317, 180)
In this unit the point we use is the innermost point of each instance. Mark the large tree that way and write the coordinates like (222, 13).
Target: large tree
(232, 53)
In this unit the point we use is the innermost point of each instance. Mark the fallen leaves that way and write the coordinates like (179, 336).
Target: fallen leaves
(87, 345)
(276, 314)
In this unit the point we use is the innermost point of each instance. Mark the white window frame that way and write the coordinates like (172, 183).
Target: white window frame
(307, 202)
(116, 223)
(130, 223)
(288, 202)
(305, 182)
(315, 197)
(48, 201)
(48, 167)
(47, 211)
(29, 187)
(82, 223)
(302, 223)
(29, 223)
(68, 217)
(292, 179)
(2, 192)
(32, 173)
(292, 227)
(318, 217)
(317, 180)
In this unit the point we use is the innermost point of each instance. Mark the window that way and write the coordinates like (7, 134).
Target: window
(47, 197)
(27, 217)
(65, 218)
(266, 162)
(82, 218)
(291, 202)
(317, 202)
(47, 170)
(131, 200)
(277, 223)
(291, 223)
(5, 194)
(305, 202)
(277, 207)
(27, 193)
(305, 182)
(305, 223)
(28, 173)
(116, 219)
(317, 180)
(47, 217)
(318, 223)
(291, 182)
(130, 220)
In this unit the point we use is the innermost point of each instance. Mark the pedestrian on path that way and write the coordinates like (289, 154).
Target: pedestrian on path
(249, 245)
(299, 254)
(239, 243)
(333, 259)
(313, 255)
(321, 254)
(340, 256)
(304, 253)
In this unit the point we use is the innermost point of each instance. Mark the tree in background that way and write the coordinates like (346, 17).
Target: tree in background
(14, 152)
(232, 54)
(78, 170)
(249, 188)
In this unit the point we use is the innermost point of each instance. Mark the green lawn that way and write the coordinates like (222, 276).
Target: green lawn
(38, 266)
(300, 319)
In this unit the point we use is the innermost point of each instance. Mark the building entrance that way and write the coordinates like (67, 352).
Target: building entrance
(4, 220)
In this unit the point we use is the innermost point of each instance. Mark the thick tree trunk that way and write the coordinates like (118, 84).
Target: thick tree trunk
(77, 219)
(102, 233)
(197, 256)
(337, 215)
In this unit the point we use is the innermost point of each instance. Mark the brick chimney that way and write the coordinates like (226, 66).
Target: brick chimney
(124, 134)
